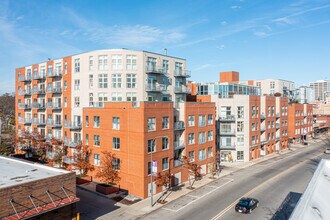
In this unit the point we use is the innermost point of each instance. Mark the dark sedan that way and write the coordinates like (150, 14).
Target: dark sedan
(246, 205)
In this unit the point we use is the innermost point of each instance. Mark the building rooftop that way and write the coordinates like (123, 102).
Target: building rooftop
(15, 171)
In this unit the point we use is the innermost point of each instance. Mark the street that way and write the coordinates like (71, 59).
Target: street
(269, 181)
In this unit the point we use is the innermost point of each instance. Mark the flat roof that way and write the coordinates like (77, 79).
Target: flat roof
(15, 171)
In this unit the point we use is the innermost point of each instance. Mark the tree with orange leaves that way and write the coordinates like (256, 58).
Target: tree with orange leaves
(108, 170)
(193, 171)
(81, 159)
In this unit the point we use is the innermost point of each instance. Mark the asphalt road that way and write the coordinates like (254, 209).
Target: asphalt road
(271, 182)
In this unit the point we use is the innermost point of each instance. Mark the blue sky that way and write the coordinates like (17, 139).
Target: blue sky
(260, 39)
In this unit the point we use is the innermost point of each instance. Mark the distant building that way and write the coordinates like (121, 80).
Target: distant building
(321, 87)
(304, 94)
(272, 86)
(29, 190)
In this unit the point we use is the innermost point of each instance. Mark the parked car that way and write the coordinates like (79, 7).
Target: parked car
(327, 151)
(246, 205)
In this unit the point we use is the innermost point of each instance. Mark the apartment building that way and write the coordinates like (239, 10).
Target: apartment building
(272, 86)
(248, 125)
(300, 122)
(304, 94)
(321, 87)
(140, 133)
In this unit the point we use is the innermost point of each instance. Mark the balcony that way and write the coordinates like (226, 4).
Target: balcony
(178, 126)
(24, 78)
(38, 105)
(178, 162)
(278, 115)
(182, 89)
(54, 90)
(68, 160)
(24, 106)
(53, 123)
(278, 138)
(25, 120)
(153, 69)
(38, 91)
(24, 92)
(75, 125)
(228, 147)
(227, 118)
(156, 88)
(37, 76)
(182, 73)
(262, 116)
(263, 128)
(57, 106)
(52, 74)
(277, 126)
(227, 132)
(263, 141)
(179, 145)
(71, 143)
(255, 144)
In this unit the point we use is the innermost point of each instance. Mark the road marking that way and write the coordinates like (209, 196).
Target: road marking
(261, 185)
(212, 186)
(197, 198)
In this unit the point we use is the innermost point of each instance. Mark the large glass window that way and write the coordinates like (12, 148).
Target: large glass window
(151, 124)
(191, 120)
(131, 62)
(191, 138)
(103, 81)
(103, 62)
(165, 143)
(201, 137)
(116, 143)
(131, 80)
(97, 159)
(201, 154)
(97, 140)
(165, 123)
(96, 121)
(117, 62)
(151, 145)
(240, 112)
(116, 80)
(165, 163)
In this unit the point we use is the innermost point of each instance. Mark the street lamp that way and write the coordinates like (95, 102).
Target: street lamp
(151, 184)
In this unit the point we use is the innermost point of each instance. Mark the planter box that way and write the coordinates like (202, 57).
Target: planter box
(106, 189)
(83, 179)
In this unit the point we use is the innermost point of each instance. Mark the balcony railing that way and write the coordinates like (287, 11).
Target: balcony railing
(179, 145)
(75, 125)
(38, 105)
(68, 160)
(57, 73)
(182, 89)
(38, 91)
(278, 137)
(227, 118)
(263, 128)
(71, 143)
(24, 106)
(182, 73)
(25, 120)
(153, 69)
(178, 162)
(156, 88)
(227, 131)
(228, 147)
(277, 126)
(24, 92)
(24, 78)
(262, 116)
(263, 141)
(179, 126)
(37, 76)
(278, 115)
(54, 90)
(53, 123)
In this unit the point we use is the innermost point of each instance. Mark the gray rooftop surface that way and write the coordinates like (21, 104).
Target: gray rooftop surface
(14, 171)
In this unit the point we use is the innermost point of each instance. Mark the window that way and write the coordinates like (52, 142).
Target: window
(210, 152)
(86, 139)
(253, 112)
(151, 145)
(76, 84)
(165, 163)
(117, 62)
(91, 63)
(240, 126)
(240, 140)
(149, 168)
(268, 111)
(116, 80)
(76, 102)
(116, 164)
(191, 156)
(116, 96)
(77, 65)
(91, 81)
(97, 140)
(103, 97)
(115, 123)
(165, 143)
(96, 121)
(165, 66)
(87, 121)
(191, 120)
(253, 127)
(273, 124)
(103, 62)
(268, 136)
(272, 85)
(240, 155)
(201, 137)
(65, 85)
(201, 120)
(225, 111)
(116, 143)
(131, 80)
(103, 81)
(191, 138)
(97, 159)
(210, 119)
(131, 62)
(91, 99)
(151, 124)
(210, 135)
(240, 111)
(273, 111)
(201, 155)
(165, 123)
(131, 96)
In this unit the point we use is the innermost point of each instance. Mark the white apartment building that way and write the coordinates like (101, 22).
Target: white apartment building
(321, 87)
(51, 95)
(304, 94)
(272, 86)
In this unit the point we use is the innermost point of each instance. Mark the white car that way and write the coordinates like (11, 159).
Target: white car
(327, 151)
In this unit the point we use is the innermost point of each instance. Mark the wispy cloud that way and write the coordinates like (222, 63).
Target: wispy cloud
(235, 7)
(221, 47)
(203, 67)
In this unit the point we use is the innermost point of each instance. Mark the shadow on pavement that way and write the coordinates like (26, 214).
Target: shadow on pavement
(287, 206)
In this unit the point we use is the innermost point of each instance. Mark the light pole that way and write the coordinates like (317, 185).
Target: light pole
(151, 184)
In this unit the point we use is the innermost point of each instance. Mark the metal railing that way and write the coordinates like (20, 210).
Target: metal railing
(182, 73)
(228, 146)
(24, 92)
(227, 118)
(24, 106)
(71, 143)
(57, 73)
(25, 120)
(37, 76)
(179, 145)
(75, 125)
(156, 87)
(263, 141)
(24, 78)
(182, 89)
(155, 70)
(278, 115)
(38, 91)
(179, 126)
(227, 131)
(262, 116)
(277, 125)
(263, 128)
(177, 162)
(54, 89)
(53, 123)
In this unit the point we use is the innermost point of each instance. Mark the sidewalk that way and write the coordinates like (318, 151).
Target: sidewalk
(134, 211)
